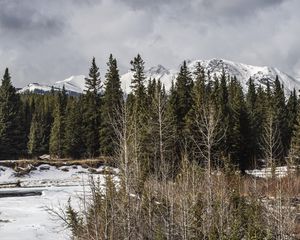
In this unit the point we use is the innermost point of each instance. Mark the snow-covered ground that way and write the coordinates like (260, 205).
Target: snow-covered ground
(27, 217)
(267, 172)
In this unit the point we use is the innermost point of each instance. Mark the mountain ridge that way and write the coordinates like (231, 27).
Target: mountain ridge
(215, 66)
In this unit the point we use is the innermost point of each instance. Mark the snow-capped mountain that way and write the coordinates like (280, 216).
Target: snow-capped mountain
(243, 72)
(260, 75)
(35, 88)
(72, 84)
(158, 72)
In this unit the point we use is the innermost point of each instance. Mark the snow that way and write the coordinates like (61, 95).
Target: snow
(73, 84)
(242, 71)
(267, 172)
(36, 88)
(26, 217)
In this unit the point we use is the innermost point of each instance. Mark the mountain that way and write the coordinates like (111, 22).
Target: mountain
(35, 88)
(260, 75)
(74, 85)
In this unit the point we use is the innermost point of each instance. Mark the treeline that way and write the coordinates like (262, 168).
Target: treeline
(199, 114)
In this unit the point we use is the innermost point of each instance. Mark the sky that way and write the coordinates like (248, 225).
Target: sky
(47, 41)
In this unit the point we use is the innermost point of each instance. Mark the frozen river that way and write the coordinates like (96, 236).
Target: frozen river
(26, 217)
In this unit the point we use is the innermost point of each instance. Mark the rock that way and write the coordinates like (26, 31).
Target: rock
(44, 167)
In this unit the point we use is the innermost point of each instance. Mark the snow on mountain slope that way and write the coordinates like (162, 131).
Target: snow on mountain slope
(157, 72)
(243, 72)
(260, 75)
(73, 84)
(35, 88)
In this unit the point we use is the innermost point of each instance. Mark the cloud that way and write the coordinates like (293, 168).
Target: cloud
(46, 41)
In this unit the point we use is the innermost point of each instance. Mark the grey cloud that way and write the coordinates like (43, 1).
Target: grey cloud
(19, 17)
(46, 41)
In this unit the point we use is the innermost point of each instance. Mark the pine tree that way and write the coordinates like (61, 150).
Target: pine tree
(93, 82)
(139, 114)
(73, 144)
(280, 117)
(138, 84)
(295, 141)
(200, 96)
(174, 141)
(57, 137)
(238, 132)
(224, 111)
(36, 135)
(91, 113)
(292, 112)
(111, 104)
(12, 135)
(251, 103)
(184, 100)
(41, 108)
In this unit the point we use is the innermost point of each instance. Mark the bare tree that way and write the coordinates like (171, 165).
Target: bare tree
(270, 143)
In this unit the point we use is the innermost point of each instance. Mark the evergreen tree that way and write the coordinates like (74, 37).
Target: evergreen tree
(224, 111)
(93, 82)
(74, 145)
(57, 137)
(292, 111)
(12, 134)
(254, 116)
(238, 132)
(41, 109)
(200, 96)
(36, 139)
(138, 85)
(139, 114)
(280, 117)
(111, 104)
(295, 140)
(184, 100)
(91, 113)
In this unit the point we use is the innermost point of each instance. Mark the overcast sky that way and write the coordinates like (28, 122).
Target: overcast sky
(46, 41)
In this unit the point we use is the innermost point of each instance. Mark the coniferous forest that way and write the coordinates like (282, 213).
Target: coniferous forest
(182, 154)
(240, 129)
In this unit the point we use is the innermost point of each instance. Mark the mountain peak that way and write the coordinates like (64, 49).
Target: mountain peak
(260, 75)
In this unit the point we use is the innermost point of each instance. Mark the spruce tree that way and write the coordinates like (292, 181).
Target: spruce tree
(280, 110)
(36, 136)
(93, 82)
(111, 104)
(57, 137)
(254, 116)
(184, 99)
(200, 96)
(224, 111)
(12, 134)
(139, 114)
(138, 84)
(73, 144)
(91, 113)
(238, 132)
(292, 112)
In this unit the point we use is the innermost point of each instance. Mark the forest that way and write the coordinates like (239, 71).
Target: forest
(242, 130)
(181, 154)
